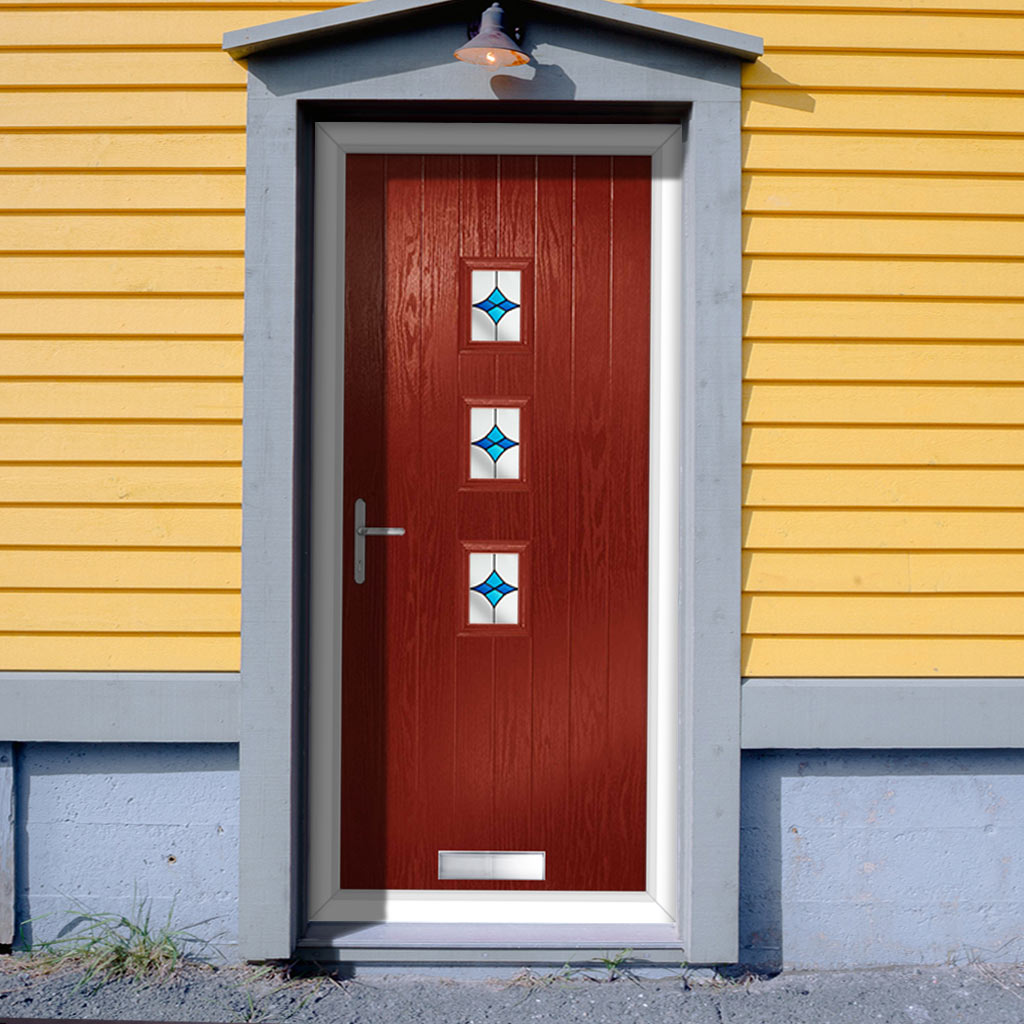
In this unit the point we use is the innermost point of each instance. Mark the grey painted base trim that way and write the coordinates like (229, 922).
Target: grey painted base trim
(879, 713)
(6, 844)
(120, 707)
(493, 944)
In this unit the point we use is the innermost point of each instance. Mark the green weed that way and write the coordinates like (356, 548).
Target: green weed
(109, 946)
(616, 966)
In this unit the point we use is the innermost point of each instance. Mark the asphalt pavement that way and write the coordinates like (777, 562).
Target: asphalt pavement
(976, 993)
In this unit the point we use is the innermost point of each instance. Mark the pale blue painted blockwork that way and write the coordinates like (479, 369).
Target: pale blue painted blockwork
(848, 858)
(94, 821)
(863, 858)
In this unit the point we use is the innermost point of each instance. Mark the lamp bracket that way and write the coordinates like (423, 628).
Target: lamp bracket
(515, 32)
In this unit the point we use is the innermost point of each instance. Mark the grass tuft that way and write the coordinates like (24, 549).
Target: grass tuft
(111, 946)
(617, 966)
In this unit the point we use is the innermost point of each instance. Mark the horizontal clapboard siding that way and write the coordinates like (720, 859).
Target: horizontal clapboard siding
(884, 434)
(779, 233)
(876, 572)
(883, 326)
(122, 180)
(132, 275)
(882, 27)
(124, 233)
(890, 445)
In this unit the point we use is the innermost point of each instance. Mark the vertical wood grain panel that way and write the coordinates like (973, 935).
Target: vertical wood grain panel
(591, 767)
(473, 777)
(438, 568)
(629, 373)
(551, 489)
(363, 697)
(400, 559)
(514, 703)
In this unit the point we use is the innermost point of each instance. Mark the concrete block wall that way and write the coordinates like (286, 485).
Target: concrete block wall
(96, 823)
(848, 858)
(863, 858)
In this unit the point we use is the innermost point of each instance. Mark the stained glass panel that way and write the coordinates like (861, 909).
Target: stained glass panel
(493, 443)
(494, 588)
(495, 296)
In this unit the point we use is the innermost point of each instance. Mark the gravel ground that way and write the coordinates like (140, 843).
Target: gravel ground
(974, 993)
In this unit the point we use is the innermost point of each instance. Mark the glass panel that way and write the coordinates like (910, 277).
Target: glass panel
(494, 443)
(494, 588)
(495, 296)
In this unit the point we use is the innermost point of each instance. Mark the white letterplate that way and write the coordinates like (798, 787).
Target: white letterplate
(489, 865)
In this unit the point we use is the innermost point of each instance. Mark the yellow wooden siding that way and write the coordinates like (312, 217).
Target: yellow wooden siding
(774, 277)
(884, 656)
(120, 651)
(89, 190)
(905, 403)
(781, 233)
(883, 327)
(888, 445)
(119, 569)
(179, 232)
(884, 435)
(119, 525)
(53, 442)
(842, 154)
(122, 161)
(875, 572)
(139, 274)
(123, 108)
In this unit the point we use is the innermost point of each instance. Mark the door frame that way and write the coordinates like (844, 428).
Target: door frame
(656, 915)
(594, 62)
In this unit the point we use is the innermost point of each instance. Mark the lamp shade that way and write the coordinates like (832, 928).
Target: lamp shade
(491, 47)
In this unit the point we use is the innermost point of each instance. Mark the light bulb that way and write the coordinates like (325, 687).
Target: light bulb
(491, 47)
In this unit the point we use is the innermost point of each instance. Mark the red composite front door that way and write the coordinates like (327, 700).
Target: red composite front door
(496, 408)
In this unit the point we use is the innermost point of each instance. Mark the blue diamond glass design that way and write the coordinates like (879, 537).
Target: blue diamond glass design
(494, 588)
(495, 305)
(495, 443)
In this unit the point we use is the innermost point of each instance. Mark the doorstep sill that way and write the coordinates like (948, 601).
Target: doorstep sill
(486, 943)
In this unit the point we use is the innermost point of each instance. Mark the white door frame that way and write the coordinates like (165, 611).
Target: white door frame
(657, 905)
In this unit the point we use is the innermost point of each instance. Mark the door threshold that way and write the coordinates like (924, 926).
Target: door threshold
(374, 942)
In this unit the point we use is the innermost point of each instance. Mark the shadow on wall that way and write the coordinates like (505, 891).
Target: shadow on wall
(101, 826)
(859, 858)
(548, 82)
(784, 92)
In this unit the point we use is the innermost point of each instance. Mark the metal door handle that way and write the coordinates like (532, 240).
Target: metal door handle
(362, 532)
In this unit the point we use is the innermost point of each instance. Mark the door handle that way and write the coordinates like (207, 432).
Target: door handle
(362, 532)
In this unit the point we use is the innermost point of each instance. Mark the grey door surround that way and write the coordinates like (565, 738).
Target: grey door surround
(591, 61)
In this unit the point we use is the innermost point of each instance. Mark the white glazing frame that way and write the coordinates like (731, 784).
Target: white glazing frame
(664, 143)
